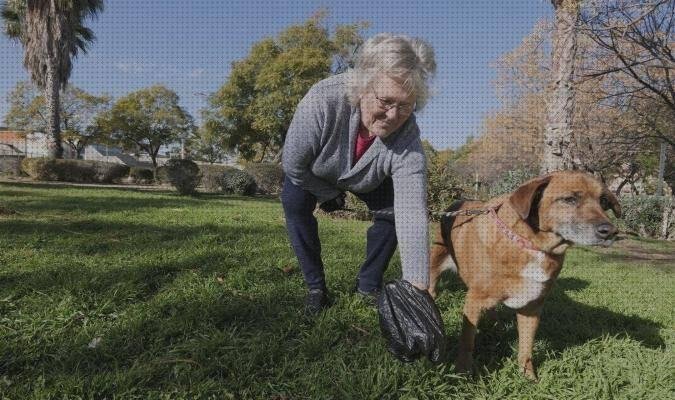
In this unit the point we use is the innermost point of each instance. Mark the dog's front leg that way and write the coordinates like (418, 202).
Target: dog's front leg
(528, 322)
(464, 360)
(474, 305)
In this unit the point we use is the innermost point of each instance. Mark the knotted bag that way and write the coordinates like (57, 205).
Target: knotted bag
(411, 323)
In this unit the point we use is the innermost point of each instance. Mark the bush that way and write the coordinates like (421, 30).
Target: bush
(49, 169)
(236, 181)
(161, 176)
(508, 181)
(10, 165)
(184, 175)
(37, 169)
(442, 188)
(212, 176)
(141, 175)
(76, 171)
(644, 215)
(269, 177)
(358, 209)
(107, 172)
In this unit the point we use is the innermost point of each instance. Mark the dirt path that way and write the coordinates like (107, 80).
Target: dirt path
(660, 254)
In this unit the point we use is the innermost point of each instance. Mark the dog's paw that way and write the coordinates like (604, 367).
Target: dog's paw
(464, 364)
(527, 369)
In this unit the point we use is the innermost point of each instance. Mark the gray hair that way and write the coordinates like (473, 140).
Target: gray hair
(409, 61)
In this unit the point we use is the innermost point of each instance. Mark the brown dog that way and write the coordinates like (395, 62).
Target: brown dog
(514, 255)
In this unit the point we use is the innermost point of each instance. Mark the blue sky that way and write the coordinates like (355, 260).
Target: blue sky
(190, 47)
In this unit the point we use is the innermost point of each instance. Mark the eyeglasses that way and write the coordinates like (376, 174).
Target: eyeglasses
(387, 105)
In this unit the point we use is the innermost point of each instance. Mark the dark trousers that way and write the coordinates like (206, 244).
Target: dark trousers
(303, 233)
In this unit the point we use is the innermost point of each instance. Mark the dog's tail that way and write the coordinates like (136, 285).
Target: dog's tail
(447, 221)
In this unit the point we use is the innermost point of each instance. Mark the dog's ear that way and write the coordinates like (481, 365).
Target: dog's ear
(609, 201)
(523, 198)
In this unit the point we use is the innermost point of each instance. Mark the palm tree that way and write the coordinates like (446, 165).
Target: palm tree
(558, 136)
(52, 33)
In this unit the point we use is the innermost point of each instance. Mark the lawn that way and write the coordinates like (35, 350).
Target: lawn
(110, 293)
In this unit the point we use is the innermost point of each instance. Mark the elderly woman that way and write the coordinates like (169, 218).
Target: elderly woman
(357, 132)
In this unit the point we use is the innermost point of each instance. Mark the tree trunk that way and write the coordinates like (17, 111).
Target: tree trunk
(662, 168)
(54, 124)
(262, 153)
(559, 136)
(153, 157)
(665, 217)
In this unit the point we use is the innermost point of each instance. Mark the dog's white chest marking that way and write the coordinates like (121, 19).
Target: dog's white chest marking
(534, 279)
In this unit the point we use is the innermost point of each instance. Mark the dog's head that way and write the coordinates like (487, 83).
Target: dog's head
(571, 204)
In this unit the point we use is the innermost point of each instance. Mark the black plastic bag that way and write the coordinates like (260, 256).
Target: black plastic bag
(411, 323)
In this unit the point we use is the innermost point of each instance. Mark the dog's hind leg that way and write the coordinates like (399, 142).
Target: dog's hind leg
(439, 255)
(474, 305)
(440, 260)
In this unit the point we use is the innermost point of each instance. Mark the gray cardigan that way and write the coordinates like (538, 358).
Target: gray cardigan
(318, 153)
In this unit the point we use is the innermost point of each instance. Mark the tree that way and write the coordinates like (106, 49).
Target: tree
(442, 185)
(52, 33)
(206, 145)
(147, 120)
(511, 137)
(630, 67)
(78, 109)
(559, 136)
(611, 138)
(636, 41)
(347, 40)
(253, 109)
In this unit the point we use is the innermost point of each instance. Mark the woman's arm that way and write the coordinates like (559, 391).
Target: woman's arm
(303, 144)
(410, 208)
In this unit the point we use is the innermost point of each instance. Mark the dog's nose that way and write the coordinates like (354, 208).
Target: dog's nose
(605, 230)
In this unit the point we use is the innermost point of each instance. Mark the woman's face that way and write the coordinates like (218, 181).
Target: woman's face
(385, 107)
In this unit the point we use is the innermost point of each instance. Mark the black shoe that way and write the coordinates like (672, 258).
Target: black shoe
(370, 298)
(315, 301)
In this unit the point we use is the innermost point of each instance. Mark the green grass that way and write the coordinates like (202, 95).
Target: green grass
(190, 299)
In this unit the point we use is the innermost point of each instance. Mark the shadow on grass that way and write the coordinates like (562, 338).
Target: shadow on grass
(138, 248)
(116, 204)
(565, 323)
(174, 304)
(62, 186)
(163, 322)
(159, 190)
(662, 262)
(173, 339)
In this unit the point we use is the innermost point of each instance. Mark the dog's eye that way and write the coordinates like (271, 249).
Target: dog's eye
(571, 200)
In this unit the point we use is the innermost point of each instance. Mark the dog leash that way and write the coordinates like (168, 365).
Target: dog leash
(510, 234)
(464, 213)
